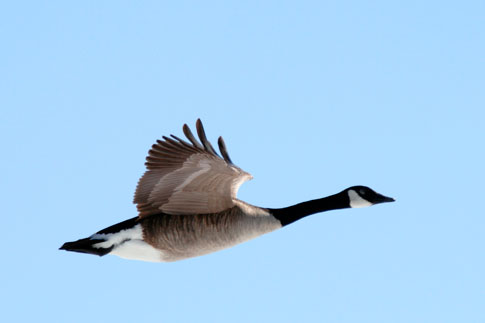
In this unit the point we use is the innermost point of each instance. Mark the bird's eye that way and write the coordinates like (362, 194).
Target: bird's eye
(362, 192)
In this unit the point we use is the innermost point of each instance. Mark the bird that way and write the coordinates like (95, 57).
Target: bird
(187, 205)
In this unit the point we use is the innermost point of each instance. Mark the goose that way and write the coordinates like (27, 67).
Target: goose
(187, 206)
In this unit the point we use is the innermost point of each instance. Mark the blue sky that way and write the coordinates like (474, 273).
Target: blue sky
(311, 97)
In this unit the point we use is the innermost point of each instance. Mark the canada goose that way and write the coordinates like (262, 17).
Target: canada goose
(187, 206)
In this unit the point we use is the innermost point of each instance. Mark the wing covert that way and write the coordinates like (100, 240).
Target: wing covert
(188, 177)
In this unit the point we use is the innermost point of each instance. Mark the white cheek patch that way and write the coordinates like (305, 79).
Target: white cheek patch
(357, 201)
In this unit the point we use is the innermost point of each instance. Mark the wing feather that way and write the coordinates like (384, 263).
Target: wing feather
(188, 177)
(223, 149)
(203, 138)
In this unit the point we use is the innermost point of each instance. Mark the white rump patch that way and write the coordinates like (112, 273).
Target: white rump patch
(357, 201)
(128, 244)
(135, 233)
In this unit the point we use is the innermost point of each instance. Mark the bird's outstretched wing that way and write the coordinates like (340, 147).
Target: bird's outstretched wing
(188, 178)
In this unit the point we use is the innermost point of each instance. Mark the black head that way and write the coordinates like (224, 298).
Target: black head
(362, 196)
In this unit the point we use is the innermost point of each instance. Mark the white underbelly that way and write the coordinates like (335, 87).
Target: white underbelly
(137, 250)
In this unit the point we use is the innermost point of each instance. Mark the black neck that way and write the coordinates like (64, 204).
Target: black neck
(295, 212)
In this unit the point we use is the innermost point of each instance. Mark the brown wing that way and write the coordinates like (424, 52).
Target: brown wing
(188, 178)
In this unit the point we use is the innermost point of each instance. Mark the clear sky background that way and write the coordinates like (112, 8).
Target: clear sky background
(311, 97)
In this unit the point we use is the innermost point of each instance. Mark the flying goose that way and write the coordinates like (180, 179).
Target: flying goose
(187, 206)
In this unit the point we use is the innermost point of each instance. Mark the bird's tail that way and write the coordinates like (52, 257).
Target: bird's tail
(86, 245)
(102, 242)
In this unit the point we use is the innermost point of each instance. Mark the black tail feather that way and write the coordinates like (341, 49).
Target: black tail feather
(86, 246)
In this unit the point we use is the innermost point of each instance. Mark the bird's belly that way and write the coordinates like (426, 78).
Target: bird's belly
(184, 236)
(137, 250)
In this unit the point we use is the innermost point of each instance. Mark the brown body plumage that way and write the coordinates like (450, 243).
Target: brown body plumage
(184, 236)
